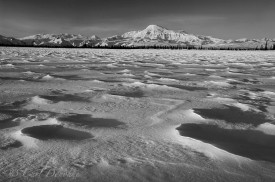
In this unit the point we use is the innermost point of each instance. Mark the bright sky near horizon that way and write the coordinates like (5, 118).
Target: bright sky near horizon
(227, 19)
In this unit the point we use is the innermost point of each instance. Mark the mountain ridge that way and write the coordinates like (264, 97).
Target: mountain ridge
(151, 36)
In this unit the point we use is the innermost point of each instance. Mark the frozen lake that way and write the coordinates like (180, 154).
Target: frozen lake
(137, 115)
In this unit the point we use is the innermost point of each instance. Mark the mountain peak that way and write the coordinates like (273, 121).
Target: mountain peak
(154, 27)
(94, 37)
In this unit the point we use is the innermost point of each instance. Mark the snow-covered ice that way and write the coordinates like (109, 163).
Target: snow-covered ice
(138, 115)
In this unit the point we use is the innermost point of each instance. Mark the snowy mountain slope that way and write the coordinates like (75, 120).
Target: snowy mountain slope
(67, 40)
(157, 35)
(246, 44)
(155, 32)
(9, 41)
(92, 41)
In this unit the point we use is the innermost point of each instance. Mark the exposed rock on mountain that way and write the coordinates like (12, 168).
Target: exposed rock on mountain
(10, 41)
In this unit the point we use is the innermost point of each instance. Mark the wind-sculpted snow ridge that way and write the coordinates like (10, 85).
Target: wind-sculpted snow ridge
(139, 115)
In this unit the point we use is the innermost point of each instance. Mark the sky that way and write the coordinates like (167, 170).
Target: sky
(227, 19)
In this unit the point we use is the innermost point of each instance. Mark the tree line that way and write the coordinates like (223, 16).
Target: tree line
(179, 47)
(173, 47)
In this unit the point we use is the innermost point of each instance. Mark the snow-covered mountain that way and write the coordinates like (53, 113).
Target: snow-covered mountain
(152, 35)
(157, 35)
(10, 41)
(60, 40)
(246, 44)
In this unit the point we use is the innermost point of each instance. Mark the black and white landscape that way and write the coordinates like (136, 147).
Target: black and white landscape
(147, 115)
(151, 104)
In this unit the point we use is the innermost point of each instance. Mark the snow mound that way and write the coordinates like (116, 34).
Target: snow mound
(47, 77)
(218, 83)
(40, 101)
(267, 128)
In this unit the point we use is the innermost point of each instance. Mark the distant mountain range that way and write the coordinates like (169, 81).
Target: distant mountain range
(153, 36)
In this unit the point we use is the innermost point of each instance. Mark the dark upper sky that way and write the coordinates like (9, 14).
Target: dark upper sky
(219, 18)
